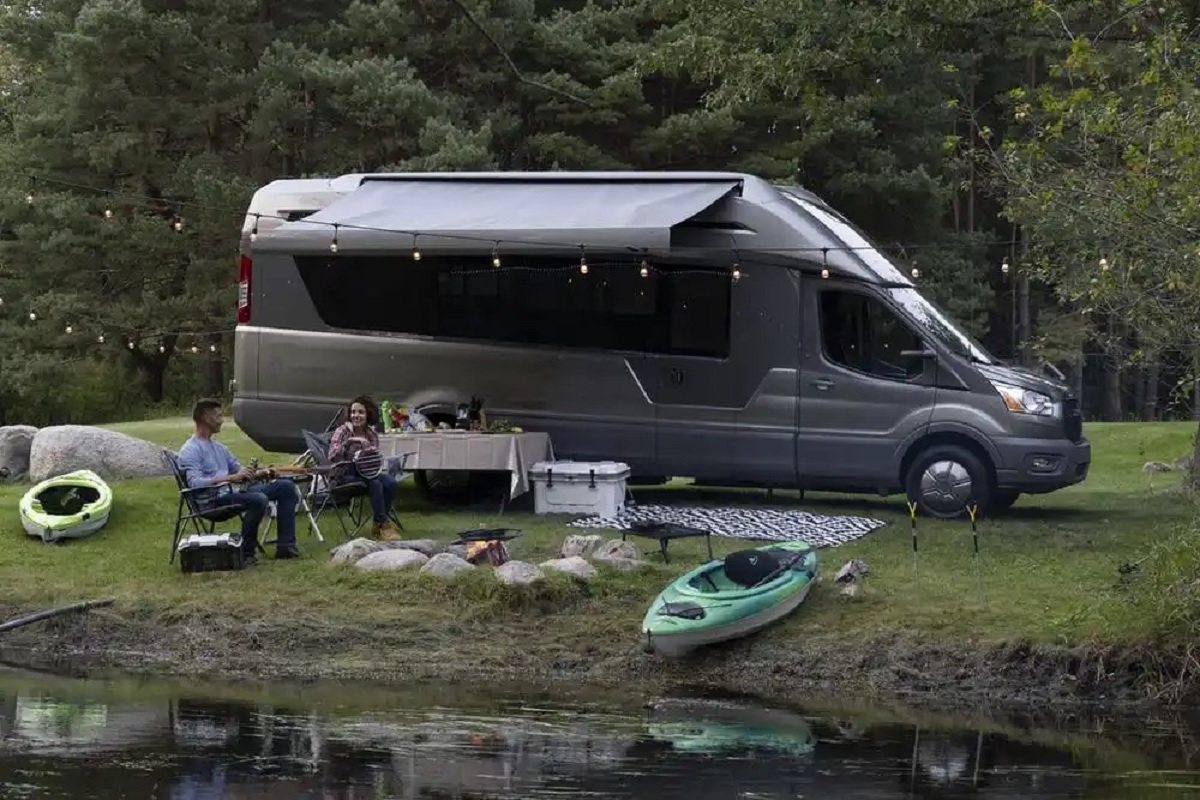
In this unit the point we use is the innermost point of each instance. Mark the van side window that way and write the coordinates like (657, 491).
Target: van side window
(532, 300)
(861, 333)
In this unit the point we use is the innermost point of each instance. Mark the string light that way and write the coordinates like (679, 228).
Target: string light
(583, 267)
(916, 273)
(737, 272)
(1004, 266)
(32, 316)
(333, 244)
(178, 224)
(29, 197)
(1104, 265)
(70, 329)
(824, 262)
(645, 270)
(416, 252)
(100, 338)
(108, 213)
(254, 230)
(195, 349)
(496, 255)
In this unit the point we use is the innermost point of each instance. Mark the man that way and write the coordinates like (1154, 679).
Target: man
(207, 463)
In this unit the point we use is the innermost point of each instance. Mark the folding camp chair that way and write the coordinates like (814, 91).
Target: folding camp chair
(203, 517)
(347, 498)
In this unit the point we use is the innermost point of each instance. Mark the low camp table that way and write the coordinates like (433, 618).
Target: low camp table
(664, 532)
(514, 453)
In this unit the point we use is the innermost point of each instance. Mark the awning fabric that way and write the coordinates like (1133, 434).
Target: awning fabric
(473, 215)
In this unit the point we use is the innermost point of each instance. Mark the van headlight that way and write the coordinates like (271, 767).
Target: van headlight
(1027, 401)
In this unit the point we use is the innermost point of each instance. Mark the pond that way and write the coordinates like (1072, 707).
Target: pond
(115, 738)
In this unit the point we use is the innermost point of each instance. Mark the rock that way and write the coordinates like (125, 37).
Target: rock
(427, 546)
(615, 548)
(851, 570)
(392, 559)
(459, 550)
(581, 545)
(446, 565)
(15, 444)
(354, 550)
(518, 573)
(111, 455)
(573, 565)
(1151, 467)
(623, 564)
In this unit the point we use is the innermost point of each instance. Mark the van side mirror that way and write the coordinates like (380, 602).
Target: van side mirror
(925, 354)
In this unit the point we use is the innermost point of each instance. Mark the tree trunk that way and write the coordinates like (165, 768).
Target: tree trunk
(1112, 388)
(1150, 394)
(1024, 323)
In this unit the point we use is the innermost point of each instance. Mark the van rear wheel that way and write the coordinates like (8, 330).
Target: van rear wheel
(944, 481)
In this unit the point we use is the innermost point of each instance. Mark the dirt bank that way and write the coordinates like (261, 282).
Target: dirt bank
(913, 669)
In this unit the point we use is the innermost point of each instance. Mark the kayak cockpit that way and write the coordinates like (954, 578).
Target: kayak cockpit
(740, 570)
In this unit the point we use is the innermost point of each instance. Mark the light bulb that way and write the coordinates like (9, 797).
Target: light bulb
(32, 316)
(737, 274)
(583, 266)
(645, 270)
(1104, 264)
(254, 236)
(131, 344)
(108, 213)
(195, 349)
(162, 349)
(495, 260)
(100, 338)
(333, 246)
(416, 254)
(1004, 267)
(29, 198)
(178, 224)
(212, 348)
(824, 273)
(70, 329)
(916, 273)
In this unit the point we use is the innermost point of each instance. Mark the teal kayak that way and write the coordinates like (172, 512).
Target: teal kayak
(729, 598)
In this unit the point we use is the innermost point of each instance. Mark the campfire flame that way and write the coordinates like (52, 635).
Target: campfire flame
(478, 548)
(491, 549)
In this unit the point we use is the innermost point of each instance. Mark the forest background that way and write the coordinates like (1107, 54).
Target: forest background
(1037, 162)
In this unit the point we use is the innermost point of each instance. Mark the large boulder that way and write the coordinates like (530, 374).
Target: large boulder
(15, 444)
(392, 560)
(446, 565)
(113, 456)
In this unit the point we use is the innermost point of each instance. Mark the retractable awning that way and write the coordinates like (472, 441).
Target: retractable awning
(474, 214)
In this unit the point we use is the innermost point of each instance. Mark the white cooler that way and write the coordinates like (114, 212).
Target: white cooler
(579, 487)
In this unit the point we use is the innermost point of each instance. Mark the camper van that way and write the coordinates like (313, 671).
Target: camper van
(704, 325)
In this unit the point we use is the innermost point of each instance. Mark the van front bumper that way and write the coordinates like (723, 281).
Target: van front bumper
(1037, 466)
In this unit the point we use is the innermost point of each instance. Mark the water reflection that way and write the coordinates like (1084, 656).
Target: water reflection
(83, 743)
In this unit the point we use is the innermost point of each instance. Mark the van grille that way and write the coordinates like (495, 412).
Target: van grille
(1072, 420)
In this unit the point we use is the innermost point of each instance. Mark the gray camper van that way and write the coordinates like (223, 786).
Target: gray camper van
(725, 329)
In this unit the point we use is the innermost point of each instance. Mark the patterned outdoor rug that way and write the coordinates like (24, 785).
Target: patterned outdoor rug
(757, 524)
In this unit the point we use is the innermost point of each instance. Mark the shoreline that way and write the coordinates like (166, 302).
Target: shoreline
(903, 668)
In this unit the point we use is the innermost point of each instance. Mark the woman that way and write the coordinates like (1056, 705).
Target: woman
(352, 436)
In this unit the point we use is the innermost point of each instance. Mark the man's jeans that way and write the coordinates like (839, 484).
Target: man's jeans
(253, 501)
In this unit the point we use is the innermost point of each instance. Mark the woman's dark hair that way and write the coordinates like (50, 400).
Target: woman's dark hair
(369, 405)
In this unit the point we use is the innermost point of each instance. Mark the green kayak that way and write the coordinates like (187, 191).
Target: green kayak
(729, 598)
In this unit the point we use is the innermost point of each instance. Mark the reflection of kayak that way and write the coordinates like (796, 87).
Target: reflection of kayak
(699, 726)
(729, 598)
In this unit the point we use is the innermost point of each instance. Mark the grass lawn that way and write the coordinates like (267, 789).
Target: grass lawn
(1048, 568)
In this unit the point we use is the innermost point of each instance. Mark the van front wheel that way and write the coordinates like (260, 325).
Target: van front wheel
(944, 481)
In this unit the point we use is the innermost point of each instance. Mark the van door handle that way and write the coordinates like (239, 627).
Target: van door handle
(823, 383)
(676, 376)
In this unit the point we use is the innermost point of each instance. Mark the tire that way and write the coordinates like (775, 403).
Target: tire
(956, 479)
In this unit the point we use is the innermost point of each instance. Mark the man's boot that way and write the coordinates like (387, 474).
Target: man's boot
(388, 532)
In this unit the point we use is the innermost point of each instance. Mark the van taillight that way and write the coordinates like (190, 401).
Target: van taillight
(244, 290)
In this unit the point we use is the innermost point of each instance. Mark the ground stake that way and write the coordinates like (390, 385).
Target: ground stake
(912, 514)
(973, 509)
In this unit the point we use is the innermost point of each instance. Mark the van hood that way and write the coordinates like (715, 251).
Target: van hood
(1026, 379)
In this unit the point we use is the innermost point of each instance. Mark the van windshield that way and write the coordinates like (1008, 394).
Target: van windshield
(935, 323)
